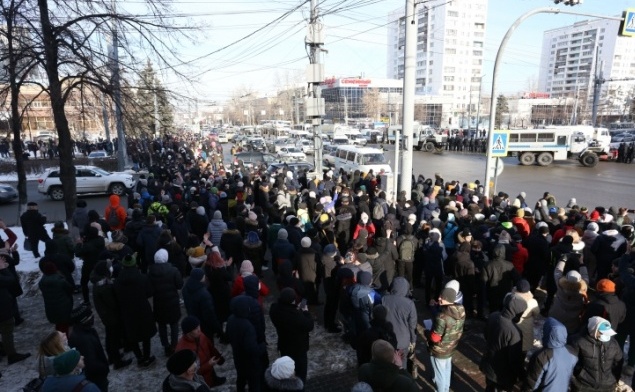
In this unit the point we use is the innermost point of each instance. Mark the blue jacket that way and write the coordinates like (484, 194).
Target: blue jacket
(66, 383)
(551, 367)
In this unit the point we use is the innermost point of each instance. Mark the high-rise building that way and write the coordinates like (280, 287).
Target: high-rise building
(450, 46)
(569, 58)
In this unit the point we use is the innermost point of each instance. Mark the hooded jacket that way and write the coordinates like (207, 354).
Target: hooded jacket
(293, 384)
(199, 303)
(551, 367)
(401, 312)
(504, 358)
(498, 276)
(570, 299)
(607, 247)
(115, 206)
(216, 227)
(166, 282)
(447, 331)
(242, 337)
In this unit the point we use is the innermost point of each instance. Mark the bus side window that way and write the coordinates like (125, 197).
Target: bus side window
(351, 156)
(562, 140)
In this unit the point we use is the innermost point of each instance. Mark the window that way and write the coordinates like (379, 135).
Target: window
(453, 14)
(451, 33)
(350, 156)
(448, 87)
(545, 137)
(478, 44)
(477, 52)
(450, 51)
(449, 69)
(448, 78)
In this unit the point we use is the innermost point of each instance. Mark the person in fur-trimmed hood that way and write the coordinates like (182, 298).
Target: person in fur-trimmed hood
(571, 295)
(608, 246)
(280, 376)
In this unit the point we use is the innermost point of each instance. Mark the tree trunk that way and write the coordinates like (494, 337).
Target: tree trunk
(67, 167)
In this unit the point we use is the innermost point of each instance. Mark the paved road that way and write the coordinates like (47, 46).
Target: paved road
(607, 184)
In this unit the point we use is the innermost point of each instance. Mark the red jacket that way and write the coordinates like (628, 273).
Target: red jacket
(520, 257)
(239, 287)
(522, 226)
(119, 210)
(205, 350)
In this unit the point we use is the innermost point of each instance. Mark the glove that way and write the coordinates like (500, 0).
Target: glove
(411, 348)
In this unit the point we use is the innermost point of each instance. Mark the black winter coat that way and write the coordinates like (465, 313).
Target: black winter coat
(198, 303)
(148, 240)
(242, 337)
(58, 298)
(33, 225)
(86, 340)
(89, 251)
(231, 242)
(219, 280)
(166, 282)
(105, 302)
(599, 364)
(133, 289)
(8, 287)
(293, 326)
(63, 263)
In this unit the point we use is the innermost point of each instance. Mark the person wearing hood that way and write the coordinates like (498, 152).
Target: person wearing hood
(254, 251)
(57, 293)
(608, 246)
(63, 240)
(503, 360)
(380, 328)
(293, 325)
(571, 295)
(365, 224)
(115, 214)
(282, 376)
(216, 227)
(247, 350)
(363, 298)
(109, 312)
(84, 338)
(133, 228)
(133, 289)
(238, 288)
(89, 249)
(498, 277)
(282, 250)
(600, 357)
(402, 314)
(79, 221)
(537, 245)
(231, 243)
(147, 242)
(444, 337)
(385, 370)
(166, 282)
(199, 303)
(551, 367)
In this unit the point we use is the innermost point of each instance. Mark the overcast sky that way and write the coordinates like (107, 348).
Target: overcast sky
(254, 45)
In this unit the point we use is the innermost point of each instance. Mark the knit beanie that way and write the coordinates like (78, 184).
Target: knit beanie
(382, 351)
(283, 368)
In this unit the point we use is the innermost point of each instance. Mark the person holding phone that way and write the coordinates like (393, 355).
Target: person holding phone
(293, 324)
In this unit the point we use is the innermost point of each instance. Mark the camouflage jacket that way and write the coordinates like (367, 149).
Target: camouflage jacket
(448, 325)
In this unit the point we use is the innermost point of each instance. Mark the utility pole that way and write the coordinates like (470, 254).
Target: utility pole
(314, 103)
(408, 117)
(116, 85)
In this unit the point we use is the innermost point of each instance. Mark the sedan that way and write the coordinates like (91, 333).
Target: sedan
(7, 193)
(98, 154)
(291, 153)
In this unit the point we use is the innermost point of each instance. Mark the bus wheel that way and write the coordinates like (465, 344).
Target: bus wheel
(589, 160)
(527, 158)
(429, 147)
(545, 159)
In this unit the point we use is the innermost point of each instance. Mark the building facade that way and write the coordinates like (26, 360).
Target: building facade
(450, 50)
(572, 54)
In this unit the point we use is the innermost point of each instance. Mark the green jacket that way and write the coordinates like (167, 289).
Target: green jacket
(386, 377)
(449, 326)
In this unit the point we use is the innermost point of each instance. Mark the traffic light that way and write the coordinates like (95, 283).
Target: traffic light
(569, 2)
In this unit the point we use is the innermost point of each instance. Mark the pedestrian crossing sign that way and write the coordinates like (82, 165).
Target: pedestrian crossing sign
(499, 144)
(627, 29)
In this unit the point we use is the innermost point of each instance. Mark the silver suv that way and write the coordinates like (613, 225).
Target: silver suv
(90, 179)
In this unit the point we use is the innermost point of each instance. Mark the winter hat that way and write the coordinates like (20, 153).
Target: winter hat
(59, 225)
(82, 314)
(435, 214)
(453, 284)
(574, 276)
(475, 199)
(118, 236)
(287, 296)
(189, 324)
(252, 237)
(380, 312)
(605, 286)
(283, 368)
(364, 277)
(294, 221)
(382, 351)
(161, 256)
(200, 210)
(448, 295)
(522, 286)
(197, 274)
(364, 217)
(181, 361)
(102, 269)
(197, 251)
(412, 218)
(593, 227)
(129, 260)
(246, 268)
(252, 216)
(330, 250)
(218, 214)
(312, 194)
(479, 217)
(362, 386)
(283, 234)
(47, 267)
(520, 213)
(66, 362)
(305, 242)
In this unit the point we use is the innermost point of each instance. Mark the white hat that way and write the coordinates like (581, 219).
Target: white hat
(305, 242)
(453, 284)
(283, 368)
(574, 276)
(412, 218)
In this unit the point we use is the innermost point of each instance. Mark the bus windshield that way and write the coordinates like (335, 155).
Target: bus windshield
(371, 159)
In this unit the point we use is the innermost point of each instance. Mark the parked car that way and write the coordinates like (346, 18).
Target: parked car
(90, 179)
(328, 154)
(98, 154)
(222, 138)
(292, 166)
(282, 143)
(7, 193)
(622, 138)
(293, 153)
(306, 146)
(250, 158)
(358, 139)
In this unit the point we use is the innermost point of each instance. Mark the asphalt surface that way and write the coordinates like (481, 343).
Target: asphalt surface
(607, 184)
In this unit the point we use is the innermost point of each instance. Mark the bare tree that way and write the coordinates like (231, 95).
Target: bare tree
(372, 104)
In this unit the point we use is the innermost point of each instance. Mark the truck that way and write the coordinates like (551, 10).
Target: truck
(543, 146)
(423, 137)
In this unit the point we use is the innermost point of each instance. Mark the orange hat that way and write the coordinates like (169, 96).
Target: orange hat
(605, 286)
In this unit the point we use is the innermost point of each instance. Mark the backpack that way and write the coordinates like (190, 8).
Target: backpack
(378, 211)
(112, 219)
(407, 249)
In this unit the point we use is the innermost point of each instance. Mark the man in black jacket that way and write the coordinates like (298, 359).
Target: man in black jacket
(293, 326)
(33, 227)
(8, 287)
(84, 338)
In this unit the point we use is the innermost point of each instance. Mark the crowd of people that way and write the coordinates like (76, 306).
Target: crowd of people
(208, 235)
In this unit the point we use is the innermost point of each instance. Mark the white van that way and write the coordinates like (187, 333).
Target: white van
(364, 159)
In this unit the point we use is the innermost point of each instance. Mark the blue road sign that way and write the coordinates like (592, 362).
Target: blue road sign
(499, 144)
(627, 29)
